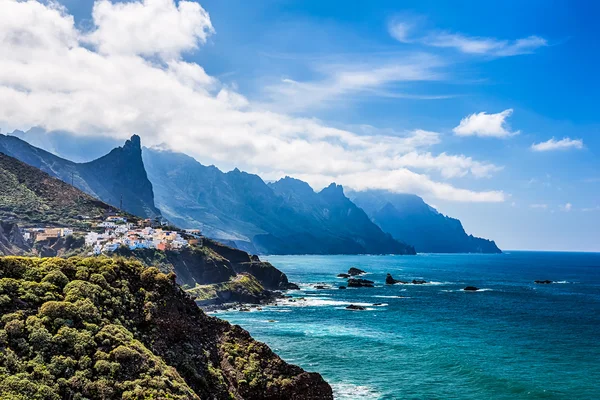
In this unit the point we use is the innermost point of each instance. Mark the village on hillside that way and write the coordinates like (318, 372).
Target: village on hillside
(115, 231)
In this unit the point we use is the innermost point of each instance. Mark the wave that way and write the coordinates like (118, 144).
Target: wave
(349, 391)
(323, 302)
(432, 283)
(391, 297)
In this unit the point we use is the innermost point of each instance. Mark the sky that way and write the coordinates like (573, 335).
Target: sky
(488, 110)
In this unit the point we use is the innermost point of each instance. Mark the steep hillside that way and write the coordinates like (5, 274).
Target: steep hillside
(222, 273)
(241, 209)
(29, 196)
(408, 218)
(100, 328)
(115, 177)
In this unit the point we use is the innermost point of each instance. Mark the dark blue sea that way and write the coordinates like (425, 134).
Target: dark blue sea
(512, 340)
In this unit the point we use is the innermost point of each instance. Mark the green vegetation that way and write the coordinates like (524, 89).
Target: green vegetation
(239, 287)
(29, 196)
(62, 335)
(109, 328)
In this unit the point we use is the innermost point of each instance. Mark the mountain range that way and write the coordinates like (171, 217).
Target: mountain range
(240, 209)
(286, 217)
(408, 218)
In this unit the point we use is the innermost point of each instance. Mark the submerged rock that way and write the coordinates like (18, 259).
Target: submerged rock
(353, 307)
(321, 287)
(342, 287)
(419, 282)
(471, 289)
(345, 276)
(353, 271)
(356, 282)
(545, 282)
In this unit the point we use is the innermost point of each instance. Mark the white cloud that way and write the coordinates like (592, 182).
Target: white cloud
(553, 144)
(567, 207)
(149, 27)
(403, 31)
(50, 76)
(485, 46)
(339, 80)
(590, 209)
(486, 125)
(539, 206)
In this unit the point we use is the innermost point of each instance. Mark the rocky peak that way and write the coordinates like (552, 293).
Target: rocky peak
(333, 192)
(133, 144)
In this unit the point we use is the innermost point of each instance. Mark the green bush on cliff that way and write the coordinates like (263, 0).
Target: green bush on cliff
(61, 335)
(109, 328)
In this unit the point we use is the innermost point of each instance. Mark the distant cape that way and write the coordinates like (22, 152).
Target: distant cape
(408, 218)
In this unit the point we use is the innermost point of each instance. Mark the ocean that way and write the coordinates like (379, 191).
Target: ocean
(512, 340)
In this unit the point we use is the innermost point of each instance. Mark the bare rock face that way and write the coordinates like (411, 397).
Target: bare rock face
(389, 280)
(353, 271)
(11, 239)
(357, 282)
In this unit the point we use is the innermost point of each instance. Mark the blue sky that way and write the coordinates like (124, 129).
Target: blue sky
(392, 73)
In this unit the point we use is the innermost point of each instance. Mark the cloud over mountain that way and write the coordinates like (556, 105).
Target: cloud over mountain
(128, 74)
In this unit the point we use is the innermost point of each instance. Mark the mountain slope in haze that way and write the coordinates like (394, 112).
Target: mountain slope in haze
(118, 175)
(241, 209)
(407, 217)
(30, 196)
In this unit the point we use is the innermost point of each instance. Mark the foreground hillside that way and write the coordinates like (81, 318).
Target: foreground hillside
(29, 195)
(240, 208)
(408, 217)
(101, 328)
(118, 177)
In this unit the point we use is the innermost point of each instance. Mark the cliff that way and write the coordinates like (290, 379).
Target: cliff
(11, 239)
(215, 273)
(408, 218)
(101, 328)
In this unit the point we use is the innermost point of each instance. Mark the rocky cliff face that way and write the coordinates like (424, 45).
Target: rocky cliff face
(408, 218)
(241, 209)
(119, 175)
(101, 328)
(11, 239)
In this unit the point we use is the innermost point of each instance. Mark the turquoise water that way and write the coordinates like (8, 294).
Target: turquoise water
(514, 340)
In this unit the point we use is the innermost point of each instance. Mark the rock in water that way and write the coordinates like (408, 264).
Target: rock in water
(546, 282)
(389, 280)
(353, 271)
(342, 287)
(419, 282)
(345, 276)
(352, 307)
(471, 289)
(355, 282)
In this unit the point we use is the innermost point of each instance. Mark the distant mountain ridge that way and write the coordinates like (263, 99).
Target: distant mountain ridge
(285, 217)
(117, 177)
(408, 217)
